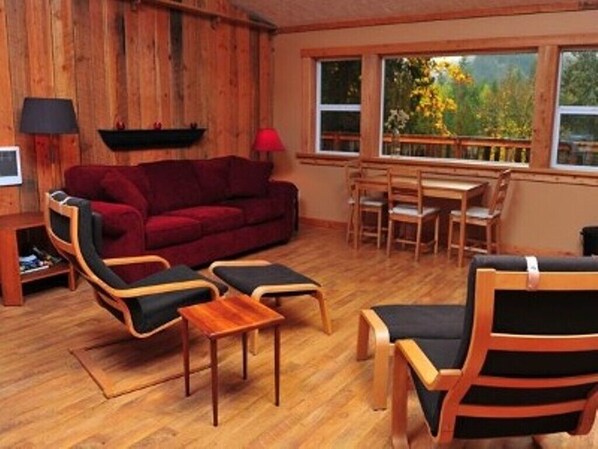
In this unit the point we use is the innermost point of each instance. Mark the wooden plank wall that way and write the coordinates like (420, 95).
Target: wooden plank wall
(136, 63)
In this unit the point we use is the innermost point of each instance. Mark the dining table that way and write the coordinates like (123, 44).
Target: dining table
(461, 190)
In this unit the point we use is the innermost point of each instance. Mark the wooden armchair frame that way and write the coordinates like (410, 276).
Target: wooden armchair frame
(108, 296)
(457, 382)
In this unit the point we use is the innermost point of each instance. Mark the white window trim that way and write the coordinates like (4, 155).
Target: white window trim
(566, 110)
(329, 108)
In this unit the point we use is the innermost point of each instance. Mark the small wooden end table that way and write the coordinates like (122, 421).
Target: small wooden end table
(225, 317)
(11, 278)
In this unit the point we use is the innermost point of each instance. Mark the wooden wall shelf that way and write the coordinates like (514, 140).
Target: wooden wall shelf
(139, 139)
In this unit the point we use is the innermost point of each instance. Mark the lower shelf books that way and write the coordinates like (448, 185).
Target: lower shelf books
(39, 260)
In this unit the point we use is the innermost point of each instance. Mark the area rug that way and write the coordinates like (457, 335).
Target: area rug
(129, 364)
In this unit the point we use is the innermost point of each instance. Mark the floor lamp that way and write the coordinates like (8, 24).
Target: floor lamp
(267, 141)
(46, 119)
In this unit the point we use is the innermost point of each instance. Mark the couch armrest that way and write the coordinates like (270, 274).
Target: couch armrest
(290, 193)
(123, 231)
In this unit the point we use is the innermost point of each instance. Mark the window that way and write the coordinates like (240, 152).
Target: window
(338, 106)
(467, 107)
(576, 118)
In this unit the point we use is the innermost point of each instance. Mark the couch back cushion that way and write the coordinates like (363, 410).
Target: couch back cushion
(173, 185)
(85, 180)
(249, 178)
(212, 176)
(121, 190)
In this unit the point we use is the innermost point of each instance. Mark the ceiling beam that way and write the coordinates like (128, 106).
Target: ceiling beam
(202, 12)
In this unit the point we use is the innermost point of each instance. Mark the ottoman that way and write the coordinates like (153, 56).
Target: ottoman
(393, 322)
(260, 278)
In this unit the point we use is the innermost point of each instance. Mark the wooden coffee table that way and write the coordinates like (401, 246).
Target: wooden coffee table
(225, 317)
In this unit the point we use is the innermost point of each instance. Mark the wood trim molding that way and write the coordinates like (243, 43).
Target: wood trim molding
(547, 7)
(214, 15)
(437, 48)
(544, 105)
(458, 168)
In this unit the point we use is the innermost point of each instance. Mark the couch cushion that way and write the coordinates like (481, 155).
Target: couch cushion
(173, 185)
(249, 178)
(85, 180)
(212, 176)
(168, 230)
(119, 189)
(259, 210)
(213, 219)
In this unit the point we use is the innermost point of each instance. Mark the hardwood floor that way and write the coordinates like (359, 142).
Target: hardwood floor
(47, 400)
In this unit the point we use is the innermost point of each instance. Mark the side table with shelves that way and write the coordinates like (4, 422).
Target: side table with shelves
(15, 230)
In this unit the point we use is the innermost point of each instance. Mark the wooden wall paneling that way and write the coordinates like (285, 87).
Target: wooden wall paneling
(132, 55)
(102, 69)
(544, 106)
(194, 83)
(224, 105)
(116, 76)
(146, 65)
(265, 80)
(84, 82)
(41, 83)
(63, 52)
(245, 89)
(9, 195)
(206, 75)
(371, 77)
(177, 95)
(19, 73)
(163, 64)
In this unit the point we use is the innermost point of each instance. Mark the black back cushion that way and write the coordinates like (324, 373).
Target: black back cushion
(524, 312)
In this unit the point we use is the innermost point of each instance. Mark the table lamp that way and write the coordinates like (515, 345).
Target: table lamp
(267, 141)
(46, 119)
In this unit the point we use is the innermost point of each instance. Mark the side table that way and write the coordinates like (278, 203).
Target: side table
(10, 275)
(225, 317)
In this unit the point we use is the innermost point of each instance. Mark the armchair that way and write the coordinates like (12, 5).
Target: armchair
(526, 364)
(145, 307)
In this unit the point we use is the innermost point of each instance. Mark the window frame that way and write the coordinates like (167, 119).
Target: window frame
(352, 107)
(559, 111)
(499, 164)
(548, 50)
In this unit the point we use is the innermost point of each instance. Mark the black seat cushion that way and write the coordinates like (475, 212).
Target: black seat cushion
(152, 311)
(422, 321)
(247, 278)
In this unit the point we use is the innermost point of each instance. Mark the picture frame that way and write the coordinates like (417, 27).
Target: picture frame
(10, 166)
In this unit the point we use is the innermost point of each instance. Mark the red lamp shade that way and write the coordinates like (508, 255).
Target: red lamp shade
(267, 139)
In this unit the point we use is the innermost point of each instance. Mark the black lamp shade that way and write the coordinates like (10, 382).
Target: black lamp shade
(48, 116)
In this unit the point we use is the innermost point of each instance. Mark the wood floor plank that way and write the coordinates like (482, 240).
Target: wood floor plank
(48, 400)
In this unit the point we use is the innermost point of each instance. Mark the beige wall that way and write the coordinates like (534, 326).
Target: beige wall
(542, 217)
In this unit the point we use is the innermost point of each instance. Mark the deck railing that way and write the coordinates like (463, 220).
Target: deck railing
(444, 147)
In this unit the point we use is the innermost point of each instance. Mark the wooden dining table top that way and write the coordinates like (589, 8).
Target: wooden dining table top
(433, 187)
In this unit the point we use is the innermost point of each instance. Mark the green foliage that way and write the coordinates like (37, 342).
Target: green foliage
(483, 95)
(578, 79)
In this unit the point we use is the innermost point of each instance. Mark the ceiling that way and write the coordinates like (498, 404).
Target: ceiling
(294, 15)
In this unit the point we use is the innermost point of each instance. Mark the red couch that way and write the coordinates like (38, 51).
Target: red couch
(190, 212)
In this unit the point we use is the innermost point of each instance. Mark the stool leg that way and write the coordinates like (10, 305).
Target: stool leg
(380, 390)
(363, 332)
(326, 323)
(253, 341)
